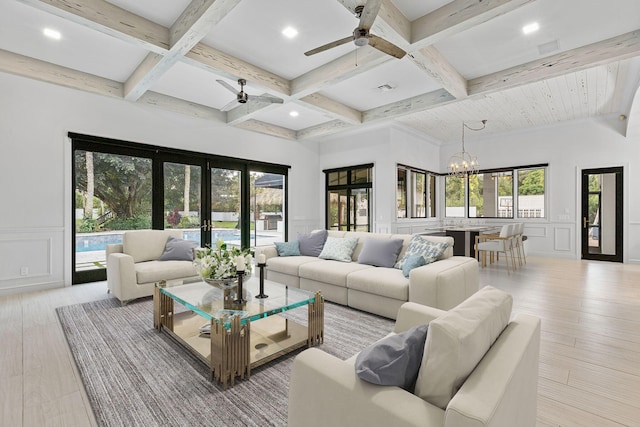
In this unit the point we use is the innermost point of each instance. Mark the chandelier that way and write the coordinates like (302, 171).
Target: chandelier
(462, 163)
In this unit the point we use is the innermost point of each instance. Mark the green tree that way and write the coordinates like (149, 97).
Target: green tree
(531, 182)
(123, 183)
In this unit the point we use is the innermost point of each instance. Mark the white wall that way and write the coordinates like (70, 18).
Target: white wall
(35, 168)
(567, 148)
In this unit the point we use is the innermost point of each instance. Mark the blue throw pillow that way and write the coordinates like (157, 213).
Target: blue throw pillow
(394, 360)
(178, 250)
(411, 262)
(288, 248)
(380, 252)
(311, 244)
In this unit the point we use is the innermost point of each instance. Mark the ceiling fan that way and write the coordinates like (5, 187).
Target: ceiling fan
(361, 36)
(242, 97)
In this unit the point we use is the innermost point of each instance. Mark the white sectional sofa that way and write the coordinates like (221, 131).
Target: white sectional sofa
(380, 290)
(133, 266)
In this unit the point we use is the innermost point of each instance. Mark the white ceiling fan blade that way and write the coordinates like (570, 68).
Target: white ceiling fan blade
(230, 105)
(329, 46)
(369, 14)
(266, 98)
(386, 47)
(228, 86)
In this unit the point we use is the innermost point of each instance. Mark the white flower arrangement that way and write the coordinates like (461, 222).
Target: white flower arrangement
(221, 263)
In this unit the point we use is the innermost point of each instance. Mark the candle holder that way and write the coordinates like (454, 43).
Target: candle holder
(262, 295)
(239, 291)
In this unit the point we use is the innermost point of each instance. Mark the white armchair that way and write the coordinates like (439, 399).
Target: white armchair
(500, 391)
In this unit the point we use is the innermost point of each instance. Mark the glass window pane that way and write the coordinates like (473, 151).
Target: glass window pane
(419, 194)
(531, 187)
(267, 208)
(112, 195)
(490, 195)
(225, 206)
(337, 209)
(454, 197)
(182, 187)
(401, 193)
(360, 176)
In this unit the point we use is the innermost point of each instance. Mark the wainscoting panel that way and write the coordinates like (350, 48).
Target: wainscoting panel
(562, 239)
(31, 259)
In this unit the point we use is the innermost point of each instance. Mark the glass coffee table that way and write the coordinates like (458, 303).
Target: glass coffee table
(232, 338)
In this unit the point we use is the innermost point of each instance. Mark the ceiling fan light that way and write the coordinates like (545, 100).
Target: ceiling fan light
(361, 41)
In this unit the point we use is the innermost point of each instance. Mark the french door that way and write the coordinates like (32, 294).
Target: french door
(602, 214)
(120, 186)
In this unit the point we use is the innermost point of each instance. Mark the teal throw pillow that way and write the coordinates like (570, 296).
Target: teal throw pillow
(339, 249)
(429, 250)
(412, 261)
(288, 248)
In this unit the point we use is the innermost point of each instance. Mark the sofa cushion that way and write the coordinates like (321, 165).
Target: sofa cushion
(291, 248)
(178, 250)
(289, 265)
(146, 245)
(458, 340)
(311, 244)
(380, 252)
(429, 250)
(339, 249)
(330, 271)
(411, 262)
(386, 282)
(154, 271)
(394, 360)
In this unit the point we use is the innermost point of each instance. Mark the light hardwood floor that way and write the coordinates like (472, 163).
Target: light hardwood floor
(589, 359)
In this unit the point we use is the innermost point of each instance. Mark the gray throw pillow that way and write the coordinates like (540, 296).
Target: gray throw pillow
(311, 244)
(178, 250)
(380, 252)
(394, 360)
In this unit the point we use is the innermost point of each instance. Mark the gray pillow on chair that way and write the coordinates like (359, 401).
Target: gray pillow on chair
(178, 250)
(394, 360)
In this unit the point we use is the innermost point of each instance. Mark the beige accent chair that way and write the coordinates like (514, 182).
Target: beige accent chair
(503, 243)
(499, 391)
(133, 267)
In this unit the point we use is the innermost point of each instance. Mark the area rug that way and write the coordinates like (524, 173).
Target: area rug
(135, 376)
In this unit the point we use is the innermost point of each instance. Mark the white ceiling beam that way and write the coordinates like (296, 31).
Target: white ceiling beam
(109, 19)
(248, 110)
(458, 16)
(418, 103)
(62, 76)
(614, 49)
(338, 70)
(431, 61)
(268, 129)
(218, 62)
(181, 106)
(334, 108)
(323, 129)
(195, 22)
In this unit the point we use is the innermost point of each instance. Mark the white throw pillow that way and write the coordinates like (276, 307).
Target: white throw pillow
(458, 340)
(339, 249)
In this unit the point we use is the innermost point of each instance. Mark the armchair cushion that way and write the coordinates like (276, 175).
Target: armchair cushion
(458, 340)
(178, 250)
(394, 360)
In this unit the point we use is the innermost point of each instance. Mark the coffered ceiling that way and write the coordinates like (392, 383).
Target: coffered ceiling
(467, 60)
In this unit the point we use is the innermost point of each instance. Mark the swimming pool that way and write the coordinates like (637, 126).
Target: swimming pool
(99, 242)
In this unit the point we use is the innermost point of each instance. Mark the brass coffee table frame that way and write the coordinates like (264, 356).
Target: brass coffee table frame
(236, 347)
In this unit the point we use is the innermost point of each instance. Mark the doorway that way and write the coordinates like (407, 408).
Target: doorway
(602, 214)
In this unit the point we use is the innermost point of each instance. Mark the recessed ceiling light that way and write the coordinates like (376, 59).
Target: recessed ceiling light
(290, 32)
(531, 28)
(294, 113)
(386, 87)
(52, 34)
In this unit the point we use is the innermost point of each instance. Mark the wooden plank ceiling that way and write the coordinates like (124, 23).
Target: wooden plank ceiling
(577, 83)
